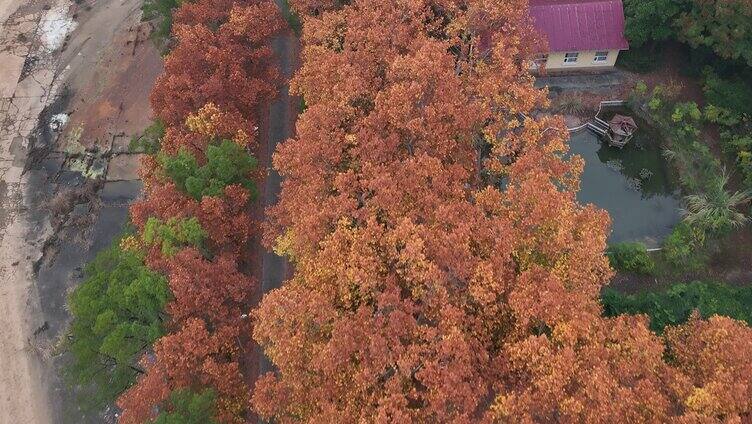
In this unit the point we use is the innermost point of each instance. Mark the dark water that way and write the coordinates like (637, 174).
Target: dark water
(633, 184)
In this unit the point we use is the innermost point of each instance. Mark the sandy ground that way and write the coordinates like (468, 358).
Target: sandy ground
(91, 65)
(24, 374)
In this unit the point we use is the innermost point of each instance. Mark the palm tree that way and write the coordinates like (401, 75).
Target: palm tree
(717, 209)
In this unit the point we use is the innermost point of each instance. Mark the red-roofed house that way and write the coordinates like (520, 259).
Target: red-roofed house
(581, 34)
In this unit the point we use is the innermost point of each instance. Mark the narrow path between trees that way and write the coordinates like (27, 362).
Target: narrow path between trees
(282, 116)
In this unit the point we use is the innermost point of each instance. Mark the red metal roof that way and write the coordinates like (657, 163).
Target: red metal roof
(572, 25)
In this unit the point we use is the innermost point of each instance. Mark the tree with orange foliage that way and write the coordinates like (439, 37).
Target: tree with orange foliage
(398, 309)
(713, 357)
(444, 270)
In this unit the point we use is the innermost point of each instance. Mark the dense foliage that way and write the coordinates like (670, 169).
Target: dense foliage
(711, 206)
(675, 305)
(733, 94)
(117, 314)
(730, 107)
(424, 290)
(722, 26)
(650, 20)
(227, 163)
(630, 257)
(719, 36)
(712, 209)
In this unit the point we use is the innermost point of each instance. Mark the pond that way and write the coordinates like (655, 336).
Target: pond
(633, 184)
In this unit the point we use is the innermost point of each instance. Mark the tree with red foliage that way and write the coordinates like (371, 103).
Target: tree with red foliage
(193, 356)
(229, 66)
(213, 290)
(210, 300)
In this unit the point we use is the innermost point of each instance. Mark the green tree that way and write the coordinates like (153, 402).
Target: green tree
(650, 20)
(674, 306)
(226, 163)
(117, 315)
(723, 26)
(630, 257)
(716, 209)
(189, 407)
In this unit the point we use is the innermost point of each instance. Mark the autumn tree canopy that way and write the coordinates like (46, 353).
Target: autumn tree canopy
(444, 271)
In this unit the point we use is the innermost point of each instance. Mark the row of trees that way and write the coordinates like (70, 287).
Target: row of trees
(216, 79)
(444, 271)
(181, 278)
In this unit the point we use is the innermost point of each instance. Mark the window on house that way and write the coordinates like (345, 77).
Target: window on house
(540, 59)
(600, 56)
(571, 57)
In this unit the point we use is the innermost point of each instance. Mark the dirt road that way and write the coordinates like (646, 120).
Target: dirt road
(282, 115)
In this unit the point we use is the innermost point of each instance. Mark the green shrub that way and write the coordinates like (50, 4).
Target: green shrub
(686, 117)
(640, 88)
(160, 10)
(684, 248)
(188, 407)
(721, 116)
(630, 257)
(226, 163)
(674, 306)
(117, 314)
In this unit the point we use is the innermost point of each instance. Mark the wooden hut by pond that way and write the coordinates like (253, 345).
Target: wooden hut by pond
(617, 132)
